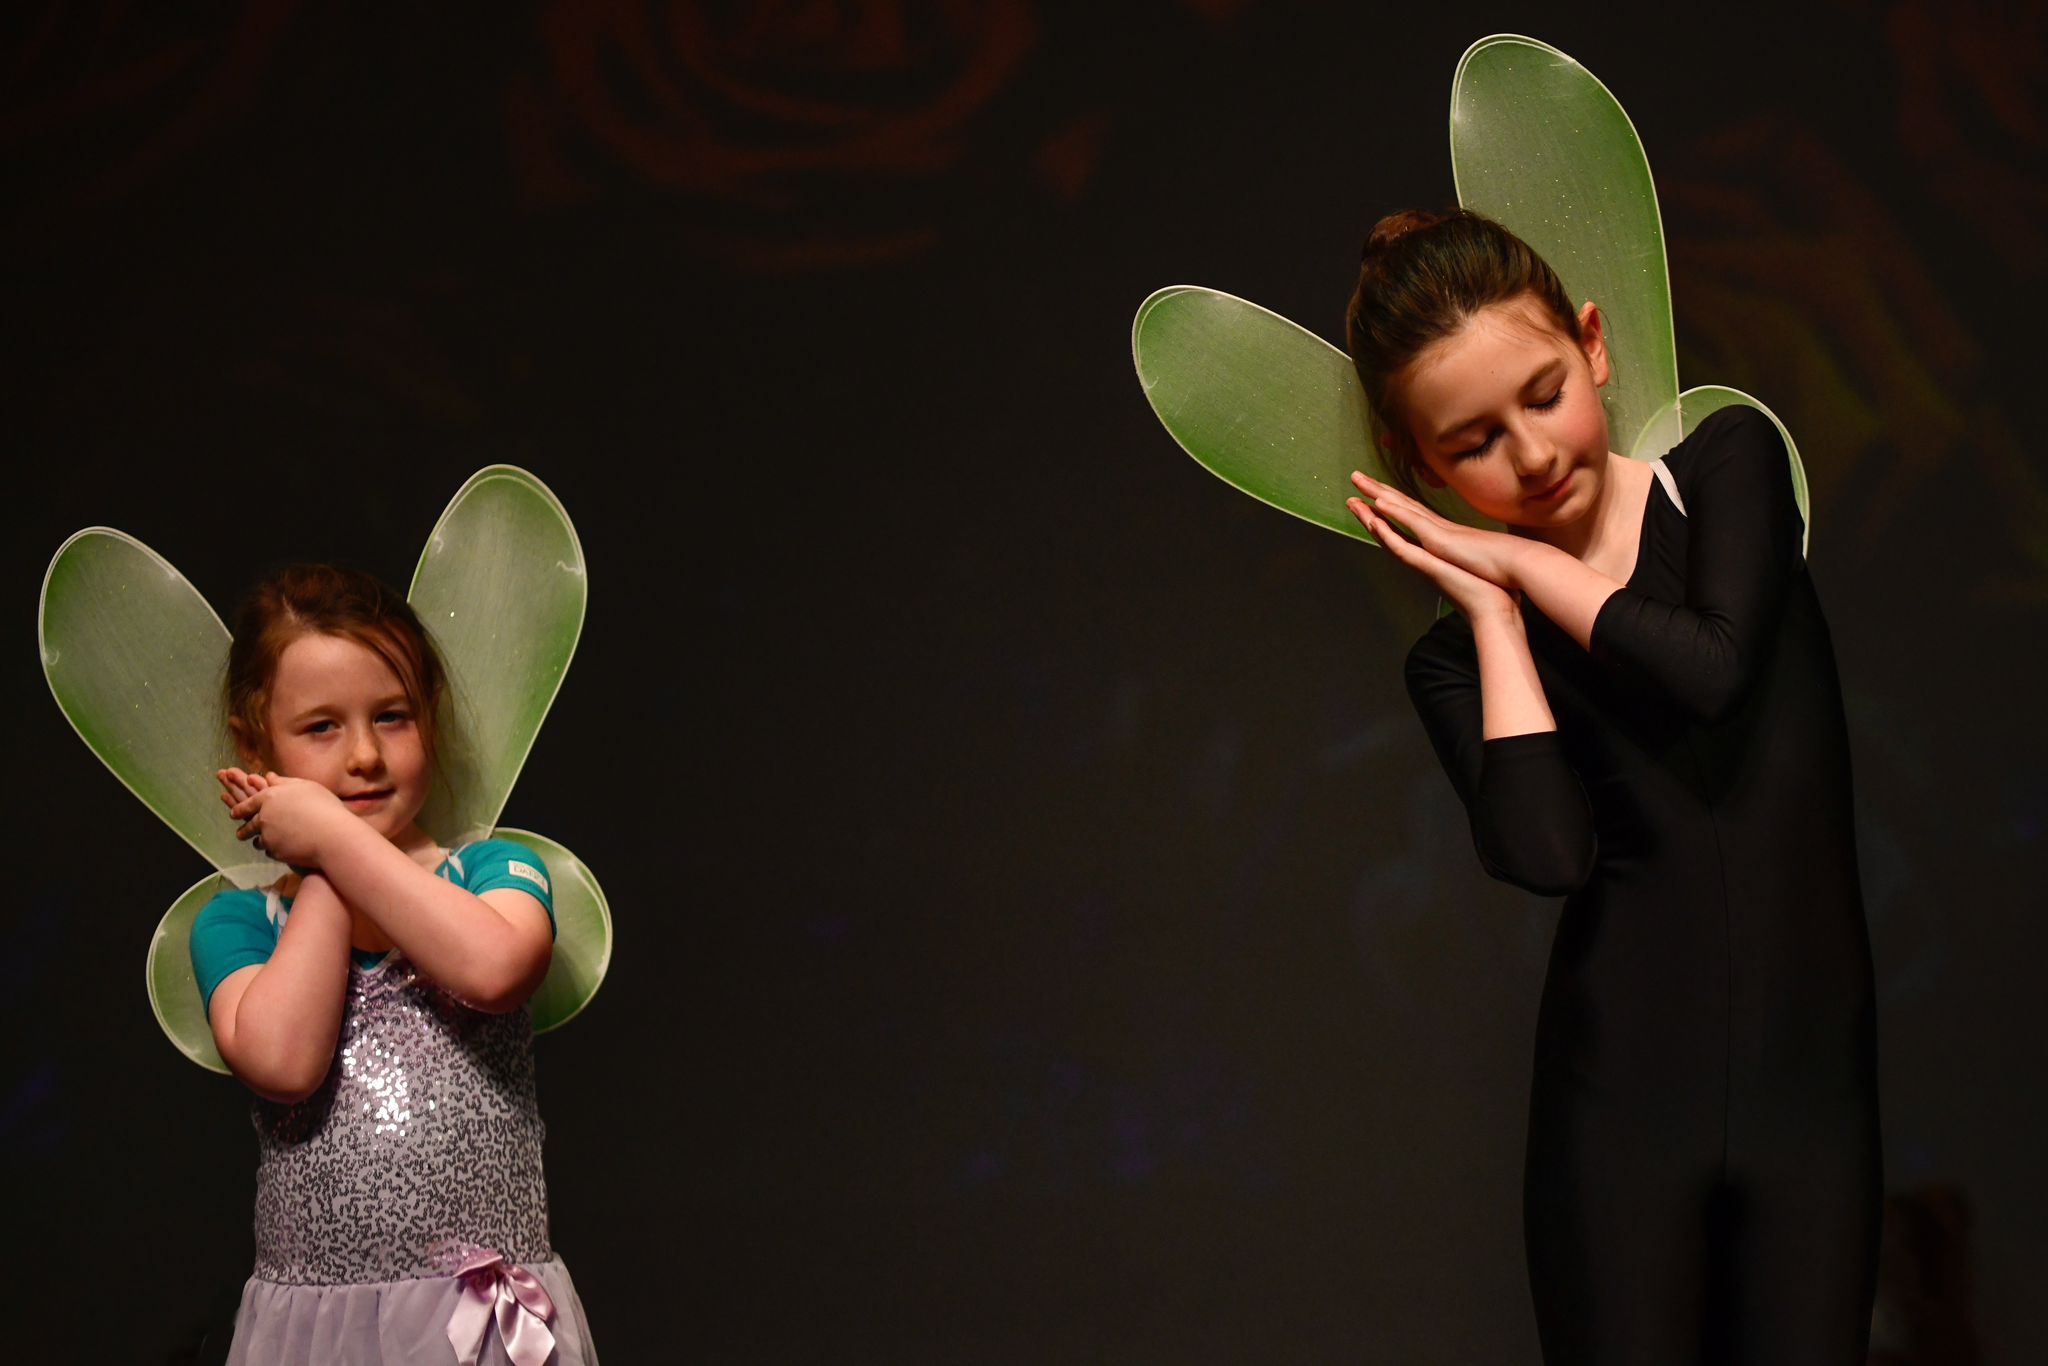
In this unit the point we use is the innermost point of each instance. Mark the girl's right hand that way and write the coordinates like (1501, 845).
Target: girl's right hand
(1472, 595)
(238, 786)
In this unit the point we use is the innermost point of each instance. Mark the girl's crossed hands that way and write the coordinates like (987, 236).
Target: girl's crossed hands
(1471, 567)
(286, 817)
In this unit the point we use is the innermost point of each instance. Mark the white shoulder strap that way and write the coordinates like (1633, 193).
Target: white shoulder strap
(1664, 477)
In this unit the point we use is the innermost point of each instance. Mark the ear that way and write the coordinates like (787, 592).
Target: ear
(1593, 341)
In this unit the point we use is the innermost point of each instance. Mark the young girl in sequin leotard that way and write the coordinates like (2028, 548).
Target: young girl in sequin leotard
(374, 1001)
(1638, 703)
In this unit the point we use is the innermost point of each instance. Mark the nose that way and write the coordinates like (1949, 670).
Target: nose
(1531, 454)
(365, 754)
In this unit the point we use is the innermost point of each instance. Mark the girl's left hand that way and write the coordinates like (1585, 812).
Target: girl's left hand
(293, 815)
(1492, 555)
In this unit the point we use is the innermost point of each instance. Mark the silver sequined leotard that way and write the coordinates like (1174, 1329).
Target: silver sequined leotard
(424, 1140)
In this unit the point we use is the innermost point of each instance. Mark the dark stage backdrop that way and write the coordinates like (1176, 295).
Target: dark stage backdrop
(1043, 932)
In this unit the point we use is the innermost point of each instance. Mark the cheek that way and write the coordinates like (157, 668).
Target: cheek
(1587, 424)
(294, 758)
(1486, 484)
(407, 757)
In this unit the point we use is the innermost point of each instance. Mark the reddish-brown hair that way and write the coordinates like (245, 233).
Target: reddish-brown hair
(1421, 277)
(321, 599)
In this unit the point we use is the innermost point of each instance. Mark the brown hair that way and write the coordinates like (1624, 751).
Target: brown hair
(321, 599)
(1421, 276)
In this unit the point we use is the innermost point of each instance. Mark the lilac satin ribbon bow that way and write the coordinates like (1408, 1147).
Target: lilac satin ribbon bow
(495, 1288)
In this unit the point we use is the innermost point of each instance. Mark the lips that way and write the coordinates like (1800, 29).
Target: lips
(1552, 493)
(366, 798)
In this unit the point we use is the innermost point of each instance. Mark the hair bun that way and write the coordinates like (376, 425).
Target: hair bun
(1396, 226)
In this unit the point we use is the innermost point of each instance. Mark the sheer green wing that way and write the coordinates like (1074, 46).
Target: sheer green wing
(1695, 405)
(501, 586)
(134, 657)
(583, 933)
(1265, 405)
(173, 989)
(1541, 146)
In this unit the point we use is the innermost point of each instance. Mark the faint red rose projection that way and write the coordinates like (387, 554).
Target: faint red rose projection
(103, 98)
(1796, 283)
(797, 134)
(1973, 116)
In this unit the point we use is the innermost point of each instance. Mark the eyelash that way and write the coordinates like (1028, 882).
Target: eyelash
(1483, 447)
(321, 727)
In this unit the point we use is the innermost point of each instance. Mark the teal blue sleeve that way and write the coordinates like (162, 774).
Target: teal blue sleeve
(231, 932)
(490, 864)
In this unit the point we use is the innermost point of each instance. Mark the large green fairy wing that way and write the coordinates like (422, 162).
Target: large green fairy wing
(135, 657)
(1696, 405)
(1264, 404)
(1540, 145)
(501, 587)
(173, 987)
(583, 933)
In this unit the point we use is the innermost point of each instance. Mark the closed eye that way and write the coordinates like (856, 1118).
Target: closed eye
(1542, 406)
(1480, 449)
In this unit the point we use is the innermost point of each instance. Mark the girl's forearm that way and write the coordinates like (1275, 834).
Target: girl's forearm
(1567, 590)
(453, 936)
(286, 1022)
(1511, 694)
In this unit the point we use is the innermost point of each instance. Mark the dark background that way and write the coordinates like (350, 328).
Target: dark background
(1042, 931)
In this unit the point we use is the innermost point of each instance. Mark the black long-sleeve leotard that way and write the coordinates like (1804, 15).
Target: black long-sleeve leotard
(1703, 1178)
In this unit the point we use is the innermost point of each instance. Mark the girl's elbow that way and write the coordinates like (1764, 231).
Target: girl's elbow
(285, 1080)
(1555, 868)
(505, 985)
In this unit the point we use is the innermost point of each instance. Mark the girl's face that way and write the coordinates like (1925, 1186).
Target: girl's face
(1506, 413)
(340, 716)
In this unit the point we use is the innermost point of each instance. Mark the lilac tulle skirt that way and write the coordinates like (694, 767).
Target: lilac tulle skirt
(388, 1323)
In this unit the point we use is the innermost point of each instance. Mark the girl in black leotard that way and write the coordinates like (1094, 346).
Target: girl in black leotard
(1637, 701)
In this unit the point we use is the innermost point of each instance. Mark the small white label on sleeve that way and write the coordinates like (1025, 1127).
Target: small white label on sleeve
(527, 871)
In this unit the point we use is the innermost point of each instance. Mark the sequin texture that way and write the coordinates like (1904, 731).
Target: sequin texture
(426, 1133)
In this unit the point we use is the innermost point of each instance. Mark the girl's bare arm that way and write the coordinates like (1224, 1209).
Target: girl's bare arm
(276, 1022)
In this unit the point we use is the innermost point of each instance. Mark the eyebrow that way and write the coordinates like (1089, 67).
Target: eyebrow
(1549, 367)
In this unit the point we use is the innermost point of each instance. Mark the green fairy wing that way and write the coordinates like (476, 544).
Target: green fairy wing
(1695, 405)
(1264, 404)
(135, 658)
(583, 933)
(501, 586)
(1539, 145)
(173, 987)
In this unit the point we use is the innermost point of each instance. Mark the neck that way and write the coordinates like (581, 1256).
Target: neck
(418, 846)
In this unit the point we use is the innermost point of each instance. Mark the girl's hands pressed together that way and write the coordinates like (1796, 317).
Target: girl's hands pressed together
(1492, 555)
(292, 815)
(1473, 593)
